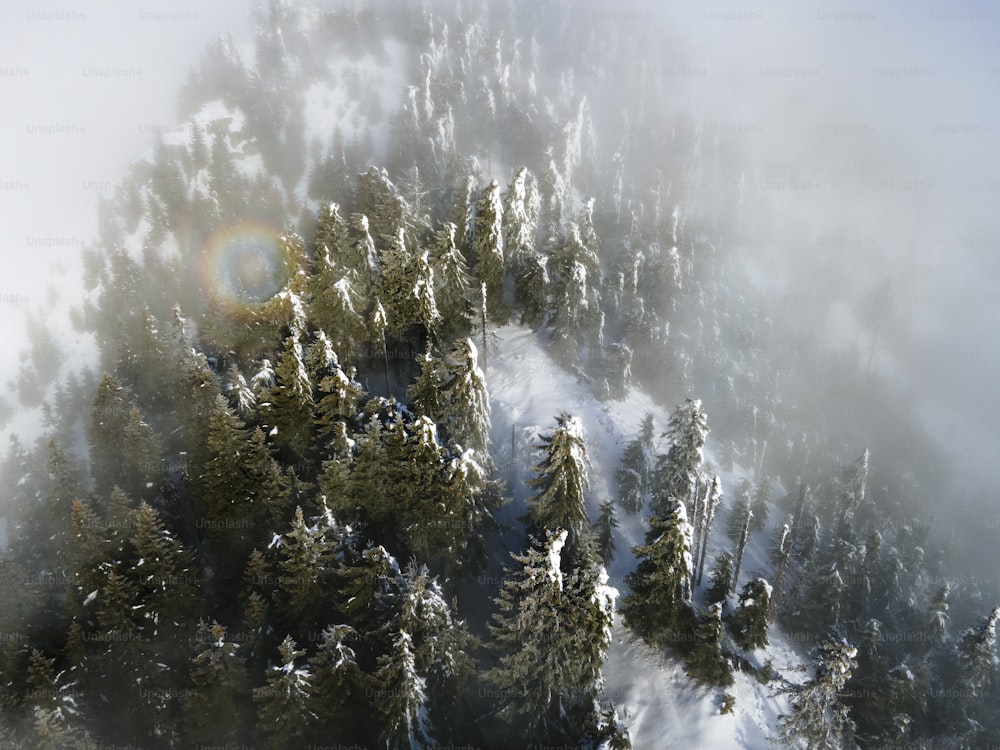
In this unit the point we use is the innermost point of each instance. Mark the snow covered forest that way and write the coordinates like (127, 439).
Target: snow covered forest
(436, 405)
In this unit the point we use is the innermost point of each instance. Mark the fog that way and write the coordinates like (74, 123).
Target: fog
(86, 89)
(864, 136)
(869, 136)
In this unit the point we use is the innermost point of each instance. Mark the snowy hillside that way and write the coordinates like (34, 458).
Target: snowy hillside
(661, 707)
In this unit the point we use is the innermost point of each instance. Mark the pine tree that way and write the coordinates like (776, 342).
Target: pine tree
(532, 290)
(289, 412)
(706, 662)
(634, 472)
(401, 699)
(738, 513)
(749, 623)
(741, 546)
(659, 607)
(306, 568)
(679, 472)
(166, 583)
(370, 593)
(781, 556)
(561, 479)
(517, 225)
(818, 717)
(340, 689)
(619, 370)
(721, 578)
(107, 428)
(465, 400)
(340, 401)
(243, 399)
(551, 631)
(604, 531)
(284, 714)
(937, 614)
(488, 250)
(441, 644)
(425, 392)
(452, 283)
(363, 256)
(977, 653)
(214, 708)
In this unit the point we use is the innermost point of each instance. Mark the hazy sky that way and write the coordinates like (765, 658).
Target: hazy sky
(868, 133)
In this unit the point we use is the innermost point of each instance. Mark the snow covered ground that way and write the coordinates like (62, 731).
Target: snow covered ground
(659, 704)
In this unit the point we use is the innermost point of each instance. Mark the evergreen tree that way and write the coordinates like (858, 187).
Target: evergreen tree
(363, 256)
(401, 699)
(306, 570)
(214, 708)
(551, 631)
(518, 227)
(604, 531)
(340, 689)
(532, 290)
(284, 713)
(749, 623)
(634, 471)
(452, 284)
(488, 250)
(679, 472)
(370, 593)
(659, 607)
(818, 718)
(738, 513)
(937, 614)
(243, 399)
(561, 479)
(288, 413)
(577, 316)
(741, 548)
(107, 429)
(340, 401)
(425, 392)
(619, 370)
(977, 653)
(706, 662)
(441, 644)
(465, 400)
(721, 578)
(781, 555)
(166, 583)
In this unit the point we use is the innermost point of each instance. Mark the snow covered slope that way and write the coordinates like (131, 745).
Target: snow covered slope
(659, 704)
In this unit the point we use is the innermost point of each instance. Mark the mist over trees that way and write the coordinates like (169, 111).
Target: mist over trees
(258, 517)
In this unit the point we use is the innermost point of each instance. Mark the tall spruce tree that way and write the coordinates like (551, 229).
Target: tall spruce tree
(284, 713)
(215, 706)
(678, 473)
(749, 623)
(464, 399)
(659, 608)
(561, 479)
(706, 663)
(488, 250)
(551, 631)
